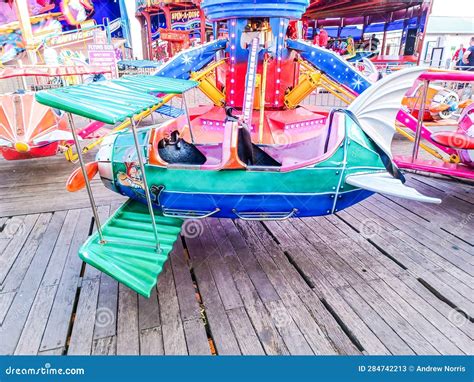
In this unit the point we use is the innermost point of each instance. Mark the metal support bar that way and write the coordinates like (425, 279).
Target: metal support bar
(416, 145)
(188, 214)
(86, 178)
(265, 216)
(188, 117)
(263, 87)
(428, 149)
(145, 184)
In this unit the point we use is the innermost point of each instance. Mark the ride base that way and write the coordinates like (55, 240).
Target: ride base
(435, 166)
(129, 253)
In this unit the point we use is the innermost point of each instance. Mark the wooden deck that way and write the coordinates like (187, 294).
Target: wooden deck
(383, 277)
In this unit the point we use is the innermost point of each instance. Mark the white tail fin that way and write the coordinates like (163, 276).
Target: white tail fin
(377, 107)
(384, 183)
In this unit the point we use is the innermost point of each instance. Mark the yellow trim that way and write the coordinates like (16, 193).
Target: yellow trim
(429, 150)
(336, 90)
(310, 80)
(306, 84)
(207, 86)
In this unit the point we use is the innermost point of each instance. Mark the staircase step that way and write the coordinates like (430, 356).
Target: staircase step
(129, 253)
(144, 226)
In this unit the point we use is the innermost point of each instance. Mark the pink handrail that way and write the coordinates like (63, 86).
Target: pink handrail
(458, 75)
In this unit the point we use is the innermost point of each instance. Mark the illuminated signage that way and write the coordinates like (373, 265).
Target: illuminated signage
(174, 35)
(70, 38)
(184, 15)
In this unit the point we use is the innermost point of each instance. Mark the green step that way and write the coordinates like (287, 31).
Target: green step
(129, 254)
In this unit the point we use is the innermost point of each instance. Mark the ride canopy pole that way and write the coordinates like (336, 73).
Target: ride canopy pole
(186, 110)
(145, 183)
(86, 179)
(416, 145)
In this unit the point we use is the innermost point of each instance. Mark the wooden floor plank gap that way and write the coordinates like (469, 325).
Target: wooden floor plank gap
(379, 248)
(405, 207)
(91, 226)
(73, 313)
(272, 235)
(461, 199)
(456, 236)
(445, 179)
(207, 327)
(388, 255)
(441, 297)
(352, 337)
(298, 269)
(84, 265)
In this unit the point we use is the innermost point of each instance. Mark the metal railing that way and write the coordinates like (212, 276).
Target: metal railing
(321, 97)
(13, 84)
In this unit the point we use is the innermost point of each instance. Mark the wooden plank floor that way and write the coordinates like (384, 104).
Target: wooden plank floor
(384, 277)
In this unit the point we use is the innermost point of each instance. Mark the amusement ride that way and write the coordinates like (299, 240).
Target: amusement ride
(256, 154)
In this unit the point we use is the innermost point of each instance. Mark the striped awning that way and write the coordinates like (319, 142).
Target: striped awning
(114, 100)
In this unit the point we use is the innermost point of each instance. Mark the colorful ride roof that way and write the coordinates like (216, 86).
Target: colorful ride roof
(114, 100)
(320, 9)
(227, 9)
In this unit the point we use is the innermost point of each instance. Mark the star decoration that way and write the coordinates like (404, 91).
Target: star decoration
(357, 83)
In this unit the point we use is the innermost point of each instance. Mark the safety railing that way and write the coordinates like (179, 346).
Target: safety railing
(321, 97)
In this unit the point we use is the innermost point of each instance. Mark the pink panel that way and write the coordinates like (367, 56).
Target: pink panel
(436, 167)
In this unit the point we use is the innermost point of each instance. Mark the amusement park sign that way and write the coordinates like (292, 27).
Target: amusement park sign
(70, 37)
(184, 15)
(103, 55)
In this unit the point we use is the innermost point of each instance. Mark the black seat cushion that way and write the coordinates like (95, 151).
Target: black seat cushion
(251, 154)
(180, 152)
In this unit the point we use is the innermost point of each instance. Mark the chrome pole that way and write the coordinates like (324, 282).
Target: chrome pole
(416, 144)
(187, 116)
(84, 173)
(145, 184)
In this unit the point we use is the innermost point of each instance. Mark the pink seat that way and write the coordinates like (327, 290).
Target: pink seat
(229, 156)
(311, 151)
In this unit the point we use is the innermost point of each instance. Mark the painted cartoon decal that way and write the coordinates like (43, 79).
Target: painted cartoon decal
(131, 179)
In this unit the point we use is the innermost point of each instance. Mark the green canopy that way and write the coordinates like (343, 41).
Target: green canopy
(156, 84)
(114, 100)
